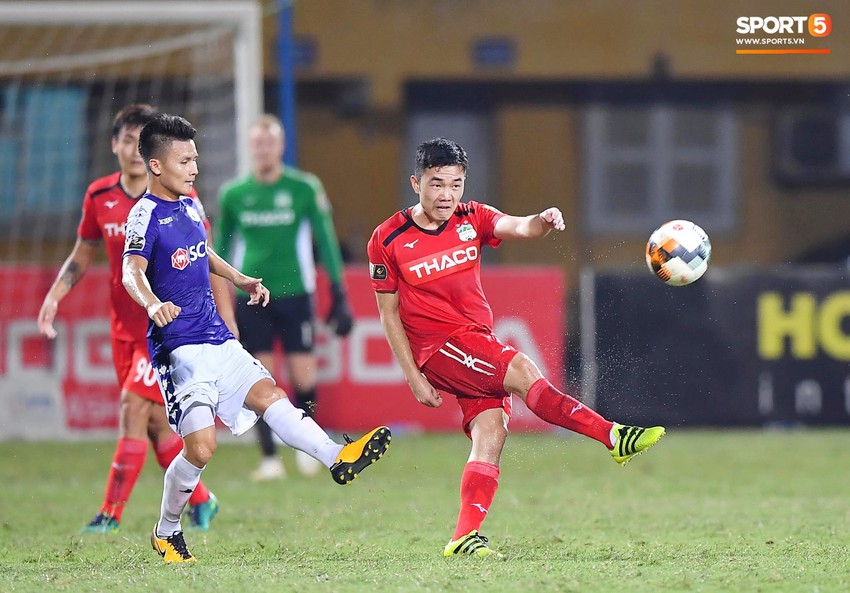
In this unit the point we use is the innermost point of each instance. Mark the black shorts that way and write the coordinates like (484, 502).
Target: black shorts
(290, 319)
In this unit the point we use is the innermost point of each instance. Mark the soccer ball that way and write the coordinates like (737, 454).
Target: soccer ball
(678, 252)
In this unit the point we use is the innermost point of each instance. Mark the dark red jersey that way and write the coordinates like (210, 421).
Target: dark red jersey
(437, 273)
(105, 210)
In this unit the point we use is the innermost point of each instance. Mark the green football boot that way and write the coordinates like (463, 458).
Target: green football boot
(471, 544)
(200, 515)
(634, 440)
(103, 523)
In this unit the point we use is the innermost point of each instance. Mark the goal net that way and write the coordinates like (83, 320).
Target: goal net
(66, 69)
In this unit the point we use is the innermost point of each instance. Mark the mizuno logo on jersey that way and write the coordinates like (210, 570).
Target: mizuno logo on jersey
(440, 264)
(111, 204)
(412, 244)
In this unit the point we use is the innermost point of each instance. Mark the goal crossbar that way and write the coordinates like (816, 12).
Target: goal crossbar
(243, 15)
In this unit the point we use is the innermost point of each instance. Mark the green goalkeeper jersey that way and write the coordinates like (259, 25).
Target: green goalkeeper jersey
(268, 231)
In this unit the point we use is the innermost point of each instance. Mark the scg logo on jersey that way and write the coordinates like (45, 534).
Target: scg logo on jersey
(441, 264)
(817, 25)
(183, 256)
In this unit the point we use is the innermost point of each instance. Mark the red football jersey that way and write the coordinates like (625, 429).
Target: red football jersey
(105, 210)
(437, 273)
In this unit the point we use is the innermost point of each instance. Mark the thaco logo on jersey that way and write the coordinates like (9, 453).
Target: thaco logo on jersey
(440, 264)
(183, 256)
(113, 229)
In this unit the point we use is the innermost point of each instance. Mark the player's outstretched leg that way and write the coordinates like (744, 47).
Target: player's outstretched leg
(633, 440)
(471, 544)
(172, 548)
(360, 454)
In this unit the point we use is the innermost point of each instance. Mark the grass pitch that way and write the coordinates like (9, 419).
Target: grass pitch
(702, 511)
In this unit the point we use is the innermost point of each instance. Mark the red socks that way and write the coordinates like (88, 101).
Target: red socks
(477, 490)
(480, 480)
(127, 464)
(165, 454)
(562, 410)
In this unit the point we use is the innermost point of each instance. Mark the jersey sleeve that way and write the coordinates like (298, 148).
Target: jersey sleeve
(487, 217)
(382, 269)
(141, 235)
(324, 233)
(88, 228)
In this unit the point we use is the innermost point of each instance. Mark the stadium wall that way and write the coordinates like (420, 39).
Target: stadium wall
(67, 387)
(740, 347)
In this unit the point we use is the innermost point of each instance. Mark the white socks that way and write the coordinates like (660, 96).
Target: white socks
(299, 431)
(181, 477)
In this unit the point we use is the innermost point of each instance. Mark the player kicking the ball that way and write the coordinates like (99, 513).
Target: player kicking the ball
(142, 415)
(424, 263)
(202, 369)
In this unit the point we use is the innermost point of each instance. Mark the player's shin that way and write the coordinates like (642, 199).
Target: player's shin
(181, 478)
(298, 430)
(127, 463)
(166, 451)
(560, 409)
(478, 487)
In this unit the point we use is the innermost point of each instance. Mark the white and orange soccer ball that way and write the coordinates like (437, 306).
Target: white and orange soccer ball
(678, 252)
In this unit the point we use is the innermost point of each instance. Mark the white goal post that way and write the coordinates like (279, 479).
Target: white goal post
(244, 15)
(66, 69)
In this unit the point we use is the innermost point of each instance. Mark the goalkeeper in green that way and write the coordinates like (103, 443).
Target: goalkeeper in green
(268, 224)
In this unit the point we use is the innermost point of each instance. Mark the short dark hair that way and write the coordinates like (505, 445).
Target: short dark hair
(439, 152)
(136, 114)
(160, 132)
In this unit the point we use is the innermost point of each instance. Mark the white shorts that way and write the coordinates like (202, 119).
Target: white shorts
(217, 376)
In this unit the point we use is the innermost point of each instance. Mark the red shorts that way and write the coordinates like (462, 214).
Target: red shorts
(134, 370)
(472, 367)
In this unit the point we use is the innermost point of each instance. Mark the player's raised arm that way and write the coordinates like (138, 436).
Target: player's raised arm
(397, 338)
(74, 268)
(136, 283)
(529, 227)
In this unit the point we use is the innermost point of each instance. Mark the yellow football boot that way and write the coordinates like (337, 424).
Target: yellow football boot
(172, 548)
(634, 440)
(471, 544)
(360, 454)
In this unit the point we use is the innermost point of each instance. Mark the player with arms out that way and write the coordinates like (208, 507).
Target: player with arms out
(424, 263)
(142, 413)
(202, 369)
(271, 218)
